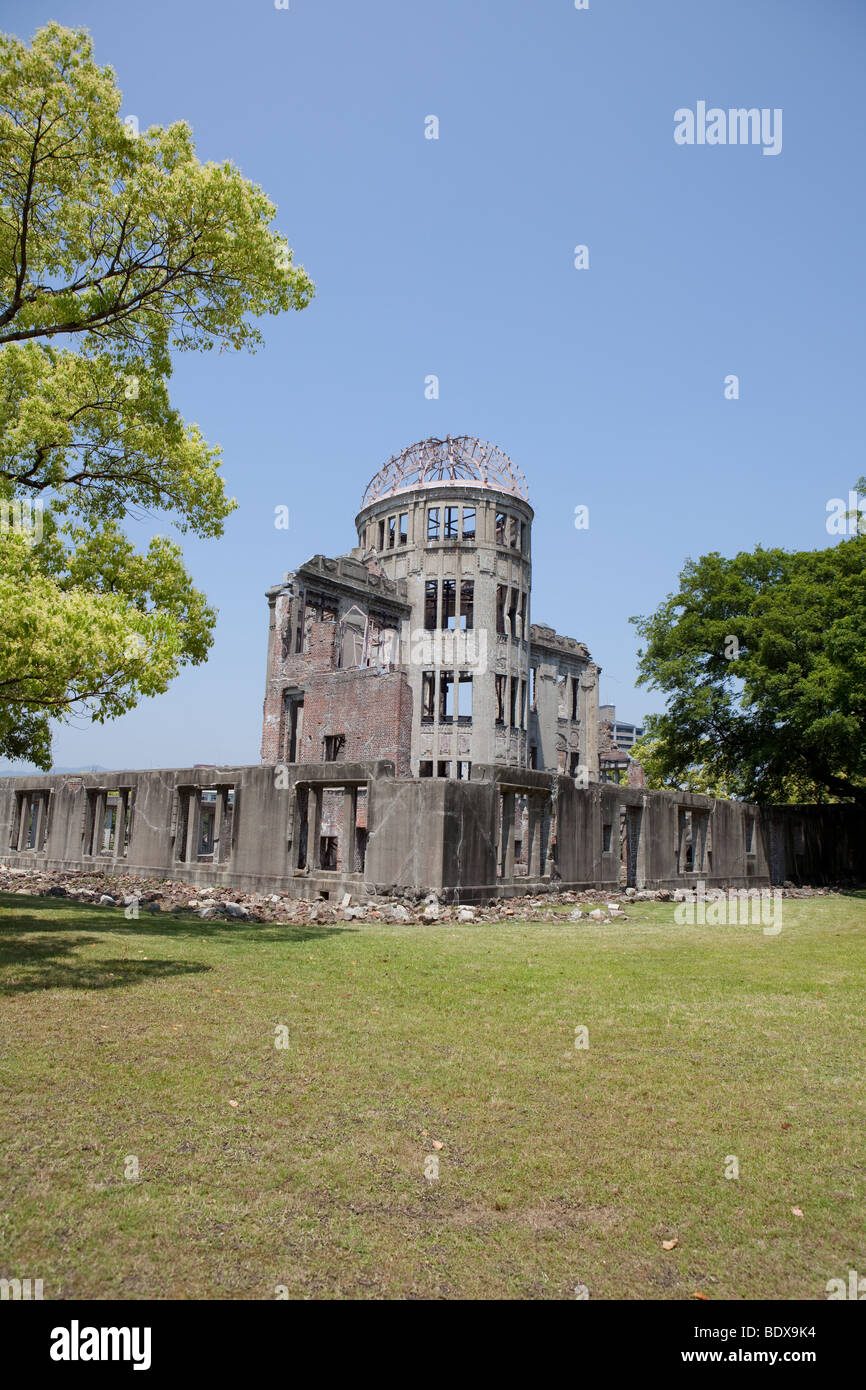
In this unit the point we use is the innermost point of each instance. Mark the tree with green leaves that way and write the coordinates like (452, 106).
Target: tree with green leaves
(762, 659)
(117, 247)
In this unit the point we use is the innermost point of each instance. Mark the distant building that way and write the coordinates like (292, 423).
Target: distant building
(623, 736)
(614, 741)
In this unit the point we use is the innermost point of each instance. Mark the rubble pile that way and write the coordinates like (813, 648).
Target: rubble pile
(160, 897)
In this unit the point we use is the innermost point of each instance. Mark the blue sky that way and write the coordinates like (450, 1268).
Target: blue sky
(455, 257)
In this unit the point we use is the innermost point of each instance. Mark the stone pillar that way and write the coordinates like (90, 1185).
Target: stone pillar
(536, 834)
(314, 829)
(99, 821)
(221, 852)
(193, 825)
(350, 812)
(506, 848)
(300, 827)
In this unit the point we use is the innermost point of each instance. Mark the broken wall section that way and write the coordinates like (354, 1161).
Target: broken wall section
(334, 691)
(329, 828)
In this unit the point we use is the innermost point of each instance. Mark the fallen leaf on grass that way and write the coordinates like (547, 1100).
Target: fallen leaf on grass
(786, 1124)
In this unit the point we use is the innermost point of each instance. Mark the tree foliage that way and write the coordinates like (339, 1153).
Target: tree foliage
(763, 661)
(117, 248)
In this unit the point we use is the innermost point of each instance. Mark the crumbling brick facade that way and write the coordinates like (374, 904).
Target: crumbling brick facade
(370, 715)
(333, 691)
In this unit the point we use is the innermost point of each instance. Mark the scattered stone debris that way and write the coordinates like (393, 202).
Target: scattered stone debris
(212, 903)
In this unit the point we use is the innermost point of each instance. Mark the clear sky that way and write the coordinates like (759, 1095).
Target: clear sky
(455, 257)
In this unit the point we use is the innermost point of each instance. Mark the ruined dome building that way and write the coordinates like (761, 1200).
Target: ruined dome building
(421, 735)
(418, 645)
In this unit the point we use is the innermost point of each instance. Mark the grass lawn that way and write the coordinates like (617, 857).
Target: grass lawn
(305, 1166)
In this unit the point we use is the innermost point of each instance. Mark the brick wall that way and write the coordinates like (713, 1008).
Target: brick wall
(373, 712)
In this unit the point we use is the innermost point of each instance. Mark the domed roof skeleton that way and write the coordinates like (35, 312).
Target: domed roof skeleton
(446, 463)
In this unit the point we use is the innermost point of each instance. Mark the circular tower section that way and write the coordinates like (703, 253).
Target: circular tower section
(452, 518)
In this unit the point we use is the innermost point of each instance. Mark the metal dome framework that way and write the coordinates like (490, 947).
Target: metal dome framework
(445, 463)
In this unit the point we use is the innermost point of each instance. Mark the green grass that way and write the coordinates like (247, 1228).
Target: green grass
(558, 1166)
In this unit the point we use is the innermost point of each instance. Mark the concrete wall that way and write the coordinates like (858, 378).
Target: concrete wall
(816, 844)
(259, 854)
(417, 835)
(406, 836)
